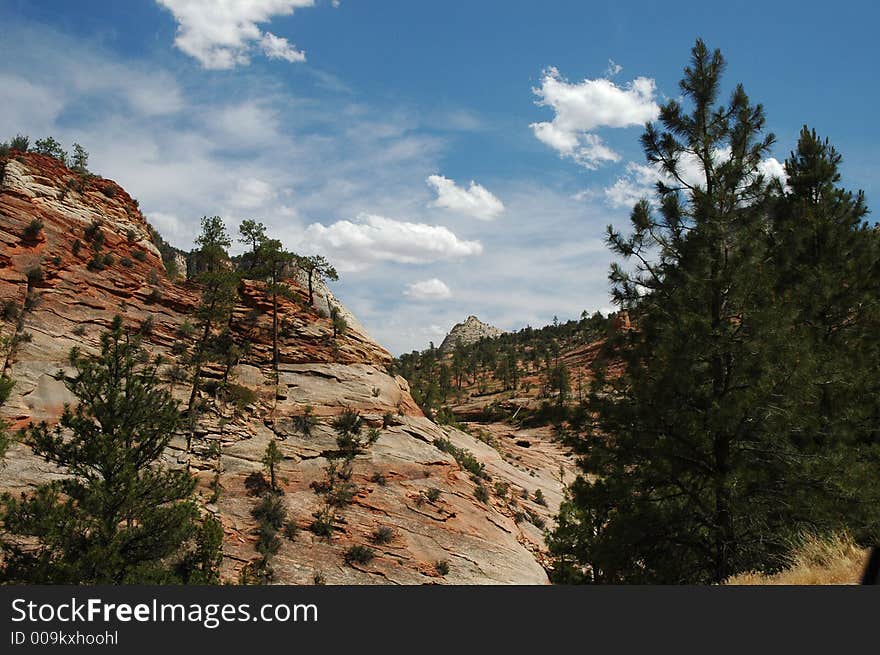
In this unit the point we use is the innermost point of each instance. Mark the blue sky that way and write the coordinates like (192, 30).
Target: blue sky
(451, 158)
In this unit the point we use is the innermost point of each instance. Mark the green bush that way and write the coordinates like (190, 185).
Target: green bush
(291, 530)
(464, 457)
(51, 148)
(305, 422)
(32, 231)
(442, 567)
(93, 233)
(539, 498)
(139, 255)
(359, 555)
(268, 542)
(34, 275)
(323, 523)
(256, 484)
(481, 493)
(341, 493)
(382, 535)
(535, 519)
(6, 385)
(270, 511)
(240, 396)
(433, 494)
(9, 311)
(20, 143)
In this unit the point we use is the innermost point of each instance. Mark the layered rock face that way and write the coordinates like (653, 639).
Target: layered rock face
(61, 286)
(468, 332)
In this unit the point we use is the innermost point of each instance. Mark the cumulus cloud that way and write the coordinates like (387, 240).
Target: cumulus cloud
(640, 180)
(357, 245)
(476, 201)
(432, 289)
(613, 68)
(223, 34)
(586, 106)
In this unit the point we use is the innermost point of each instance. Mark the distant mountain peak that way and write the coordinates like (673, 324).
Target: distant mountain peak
(471, 330)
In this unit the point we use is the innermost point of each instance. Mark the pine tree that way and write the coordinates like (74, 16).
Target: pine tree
(219, 283)
(253, 234)
(271, 459)
(828, 260)
(274, 260)
(683, 464)
(5, 390)
(119, 517)
(316, 268)
(80, 161)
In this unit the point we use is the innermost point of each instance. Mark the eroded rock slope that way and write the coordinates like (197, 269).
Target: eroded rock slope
(55, 296)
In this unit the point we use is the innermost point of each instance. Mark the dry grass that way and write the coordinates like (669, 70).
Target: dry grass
(815, 561)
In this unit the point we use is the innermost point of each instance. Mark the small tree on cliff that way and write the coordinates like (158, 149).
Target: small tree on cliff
(5, 389)
(253, 234)
(271, 458)
(219, 283)
(317, 268)
(274, 260)
(119, 517)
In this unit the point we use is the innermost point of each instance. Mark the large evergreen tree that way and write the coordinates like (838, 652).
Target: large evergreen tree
(685, 474)
(828, 261)
(118, 516)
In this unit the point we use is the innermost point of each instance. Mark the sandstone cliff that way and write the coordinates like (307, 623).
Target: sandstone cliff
(55, 296)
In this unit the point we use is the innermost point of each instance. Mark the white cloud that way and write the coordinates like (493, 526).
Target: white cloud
(251, 193)
(356, 245)
(432, 289)
(277, 47)
(584, 107)
(640, 180)
(222, 33)
(627, 190)
(613, 68)
(476, 201)
(773, 168)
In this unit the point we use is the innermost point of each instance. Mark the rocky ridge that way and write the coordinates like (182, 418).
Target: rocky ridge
(54, 297)
(467, 332)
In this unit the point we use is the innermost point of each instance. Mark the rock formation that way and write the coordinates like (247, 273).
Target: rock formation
(60, 287)
(468, 332)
